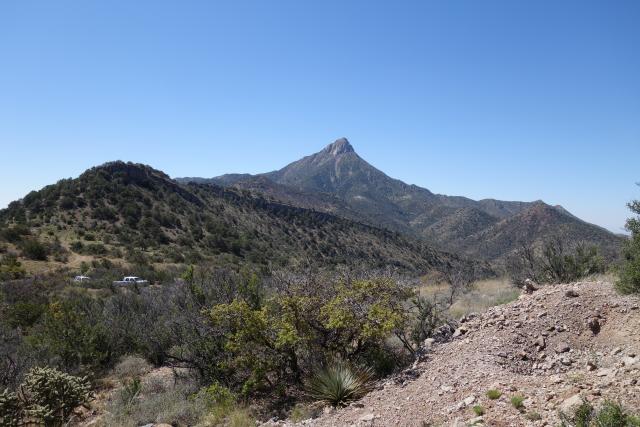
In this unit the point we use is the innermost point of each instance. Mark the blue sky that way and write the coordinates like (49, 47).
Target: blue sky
(516, 100)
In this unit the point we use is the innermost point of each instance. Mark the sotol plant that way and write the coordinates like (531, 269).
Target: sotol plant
(339, 384)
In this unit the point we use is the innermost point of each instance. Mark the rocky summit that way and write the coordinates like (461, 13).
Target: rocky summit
(337, 180)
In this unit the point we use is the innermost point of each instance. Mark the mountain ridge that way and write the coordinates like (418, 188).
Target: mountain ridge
(132, 213)
(443, 221)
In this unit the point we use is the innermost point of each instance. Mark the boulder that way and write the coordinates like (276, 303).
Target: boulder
(569, 406)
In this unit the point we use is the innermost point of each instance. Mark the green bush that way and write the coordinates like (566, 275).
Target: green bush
(629, 274)
(339, 384)
(34, 250)
(609, 414)
(14, 234)
(478, 410)
(171, 406)
(555, 262)
(307, 324)
(517, 401)
(494, 394)
(11, 268)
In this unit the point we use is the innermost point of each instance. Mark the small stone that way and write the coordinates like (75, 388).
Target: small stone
(367, 417)
(562, 348)
(476, 420)
(469, 400)
(591, 366)
(460, 331)
(604, 372)
(571, 293)
(566, 361)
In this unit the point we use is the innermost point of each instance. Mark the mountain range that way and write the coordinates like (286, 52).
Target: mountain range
(327, 209)
(338, 181)
(136, 215)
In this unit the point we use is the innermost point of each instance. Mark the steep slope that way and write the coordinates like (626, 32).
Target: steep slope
(543, 347)
(449, 222)
(125, 211)
(459, 225)
(530, 227)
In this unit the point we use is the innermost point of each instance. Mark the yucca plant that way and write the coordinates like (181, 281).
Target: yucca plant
(340, 383)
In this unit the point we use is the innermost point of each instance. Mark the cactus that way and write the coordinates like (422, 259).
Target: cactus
(47, 397)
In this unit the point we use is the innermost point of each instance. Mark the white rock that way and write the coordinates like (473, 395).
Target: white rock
(367, 417)
(568, 406)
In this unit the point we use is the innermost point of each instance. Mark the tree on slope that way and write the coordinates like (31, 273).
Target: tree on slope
(629, 281)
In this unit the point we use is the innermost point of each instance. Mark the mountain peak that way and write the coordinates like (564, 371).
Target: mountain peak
(339, 146)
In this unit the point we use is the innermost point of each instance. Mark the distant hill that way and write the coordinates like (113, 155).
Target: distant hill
(134, 213)
(338, 180)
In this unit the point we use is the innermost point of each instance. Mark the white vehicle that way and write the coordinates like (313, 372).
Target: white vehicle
(131, 280)
(81, 278)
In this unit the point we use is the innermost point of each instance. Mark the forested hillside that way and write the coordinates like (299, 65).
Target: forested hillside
(136, 214)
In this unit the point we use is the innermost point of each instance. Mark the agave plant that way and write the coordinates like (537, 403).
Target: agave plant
(340, 384)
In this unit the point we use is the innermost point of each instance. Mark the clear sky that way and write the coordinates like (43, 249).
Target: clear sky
(516, 100)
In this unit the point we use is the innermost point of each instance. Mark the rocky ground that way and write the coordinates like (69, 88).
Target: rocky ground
(554, 347)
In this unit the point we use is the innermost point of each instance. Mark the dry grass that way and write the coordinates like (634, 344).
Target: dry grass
(483, 295)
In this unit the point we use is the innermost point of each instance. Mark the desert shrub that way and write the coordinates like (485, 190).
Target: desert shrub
(77, 246)
(130, 391)
(15, 233)
(24, 314)
(339, 383)
(517, 401)
(609, 414)
(307, 322)
(612, 414)
(130, 367)
(95, 249)
(34, 250)
(554, 262)
(494, 394)
(427, 316)
(172, 406)
(71, 336)
(222, 406)
(11, 268)
(533, 416)
(629, 274)
(301, 412)
(478, 410)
